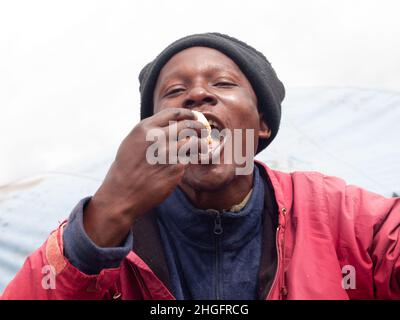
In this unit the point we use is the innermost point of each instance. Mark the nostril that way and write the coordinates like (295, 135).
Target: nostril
(208, 100)
(189, 103)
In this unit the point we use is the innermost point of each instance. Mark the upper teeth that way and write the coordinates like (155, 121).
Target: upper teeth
(207, 123)
(213, 123)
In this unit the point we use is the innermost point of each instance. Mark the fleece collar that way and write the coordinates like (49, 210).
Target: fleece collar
(196, 226)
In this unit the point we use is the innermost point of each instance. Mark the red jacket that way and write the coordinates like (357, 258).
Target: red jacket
(334, 241)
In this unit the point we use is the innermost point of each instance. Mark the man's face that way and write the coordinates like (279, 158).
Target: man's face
(206, 80)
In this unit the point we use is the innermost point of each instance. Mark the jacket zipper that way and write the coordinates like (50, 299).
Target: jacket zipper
(217, 232)
(278, 245)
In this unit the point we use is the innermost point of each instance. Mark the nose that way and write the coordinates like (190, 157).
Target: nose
(199, 96)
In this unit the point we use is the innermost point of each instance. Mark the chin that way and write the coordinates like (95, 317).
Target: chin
(208, 177)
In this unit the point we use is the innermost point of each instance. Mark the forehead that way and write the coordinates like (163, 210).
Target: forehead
(198, 60)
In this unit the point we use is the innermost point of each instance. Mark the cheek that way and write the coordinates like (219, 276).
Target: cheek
(159, 103)
(156, 106)
(243, 114)
(243, 110)
(165, 104)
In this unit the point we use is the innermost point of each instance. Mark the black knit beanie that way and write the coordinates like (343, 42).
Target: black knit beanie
(268, 88)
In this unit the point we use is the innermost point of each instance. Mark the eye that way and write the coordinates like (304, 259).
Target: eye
(225, 84)
(174, 92)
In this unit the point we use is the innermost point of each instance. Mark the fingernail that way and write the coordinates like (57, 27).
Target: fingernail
(191, 125)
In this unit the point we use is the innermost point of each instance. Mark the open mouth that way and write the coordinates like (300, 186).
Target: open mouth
(215, 128)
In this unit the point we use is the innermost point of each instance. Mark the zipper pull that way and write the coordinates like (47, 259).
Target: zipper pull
(218, 225)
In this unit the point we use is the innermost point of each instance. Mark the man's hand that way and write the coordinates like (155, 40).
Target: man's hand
(132, 185)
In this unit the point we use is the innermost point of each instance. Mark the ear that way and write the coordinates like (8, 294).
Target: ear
(265, 131)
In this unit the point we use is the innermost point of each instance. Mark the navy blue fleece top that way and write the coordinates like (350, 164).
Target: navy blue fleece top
(210, 254)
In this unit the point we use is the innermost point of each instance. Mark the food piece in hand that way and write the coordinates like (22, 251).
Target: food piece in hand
(201, 118)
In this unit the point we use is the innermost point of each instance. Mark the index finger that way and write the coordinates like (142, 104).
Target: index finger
(163, 117)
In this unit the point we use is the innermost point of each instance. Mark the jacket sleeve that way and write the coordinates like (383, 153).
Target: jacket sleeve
(83, 253)
(368, 237)
(385, 251)
(48, 274)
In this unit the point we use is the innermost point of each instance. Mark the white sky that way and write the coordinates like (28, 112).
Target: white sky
(68, 69)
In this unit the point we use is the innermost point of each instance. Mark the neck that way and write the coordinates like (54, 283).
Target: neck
(223, 198)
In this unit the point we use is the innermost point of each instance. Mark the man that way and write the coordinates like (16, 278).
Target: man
(202, 231)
